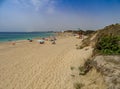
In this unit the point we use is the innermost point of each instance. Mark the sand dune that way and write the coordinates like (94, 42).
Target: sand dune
(34, 66)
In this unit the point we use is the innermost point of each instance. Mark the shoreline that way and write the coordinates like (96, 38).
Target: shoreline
(17, 43)
(33, 37)
(56, 34)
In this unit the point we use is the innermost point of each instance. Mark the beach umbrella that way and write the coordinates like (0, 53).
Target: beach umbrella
(29, 39)
(41, 41)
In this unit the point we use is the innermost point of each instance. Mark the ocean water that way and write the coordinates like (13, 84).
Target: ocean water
(14, 36)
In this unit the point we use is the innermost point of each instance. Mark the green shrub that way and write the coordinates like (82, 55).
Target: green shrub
(86, 67)
(78, 85)
(72, 68)
(109, 45)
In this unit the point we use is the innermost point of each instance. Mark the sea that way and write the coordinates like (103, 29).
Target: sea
(15, 36)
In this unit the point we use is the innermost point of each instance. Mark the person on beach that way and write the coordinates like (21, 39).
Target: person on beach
(53, 42)
(80, 35)
(30, 39)
(52, 39)
(13, 43)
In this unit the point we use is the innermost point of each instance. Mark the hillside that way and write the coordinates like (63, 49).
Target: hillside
(105, 58)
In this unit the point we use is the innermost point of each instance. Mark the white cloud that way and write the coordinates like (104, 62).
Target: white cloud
(51, 7)
(36, 15)
(25, 3)
(47, 5)
(37, 4)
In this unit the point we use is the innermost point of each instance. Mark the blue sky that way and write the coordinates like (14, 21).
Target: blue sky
(43, 15)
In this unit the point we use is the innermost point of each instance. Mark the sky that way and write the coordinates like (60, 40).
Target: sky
(53, 15)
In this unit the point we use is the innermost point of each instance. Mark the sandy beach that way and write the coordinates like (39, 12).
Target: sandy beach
(29, 65)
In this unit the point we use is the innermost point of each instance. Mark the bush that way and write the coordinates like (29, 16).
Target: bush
(78, 85)
(109, 45)
(86, 67)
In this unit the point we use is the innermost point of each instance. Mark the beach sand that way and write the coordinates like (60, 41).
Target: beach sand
(29, 65)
